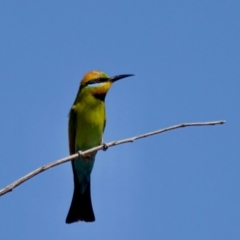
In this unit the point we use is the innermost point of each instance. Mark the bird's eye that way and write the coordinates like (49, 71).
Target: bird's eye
(93, 81)
(97, 80)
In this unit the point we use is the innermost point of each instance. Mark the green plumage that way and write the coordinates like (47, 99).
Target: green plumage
(88, 117)
(88, 120)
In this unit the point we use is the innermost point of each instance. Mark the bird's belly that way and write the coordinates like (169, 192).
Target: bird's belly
(89, 132)
(89, 137)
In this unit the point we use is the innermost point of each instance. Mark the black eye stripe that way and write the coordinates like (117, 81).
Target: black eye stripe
(98, 80)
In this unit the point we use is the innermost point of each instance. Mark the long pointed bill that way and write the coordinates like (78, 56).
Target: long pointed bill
(116, 78)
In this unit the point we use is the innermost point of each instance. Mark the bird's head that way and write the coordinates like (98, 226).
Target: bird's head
(98, 83)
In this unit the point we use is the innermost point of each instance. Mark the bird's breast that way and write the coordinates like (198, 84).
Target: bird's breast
(90, 125)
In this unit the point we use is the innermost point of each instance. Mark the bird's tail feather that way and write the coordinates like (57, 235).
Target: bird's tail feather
(81, 206)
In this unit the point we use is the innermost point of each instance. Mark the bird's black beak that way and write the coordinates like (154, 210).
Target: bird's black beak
(115, 78)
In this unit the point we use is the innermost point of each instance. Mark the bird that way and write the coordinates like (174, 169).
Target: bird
(86, 124)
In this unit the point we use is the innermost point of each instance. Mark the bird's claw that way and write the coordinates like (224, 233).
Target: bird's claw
(80, 153)
(105, 146)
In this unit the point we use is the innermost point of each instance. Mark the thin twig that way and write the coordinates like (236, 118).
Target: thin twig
(10, 187)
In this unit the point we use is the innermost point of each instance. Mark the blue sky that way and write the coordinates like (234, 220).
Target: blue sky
(185, 55)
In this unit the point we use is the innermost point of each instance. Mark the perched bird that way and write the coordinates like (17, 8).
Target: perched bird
(87, 120)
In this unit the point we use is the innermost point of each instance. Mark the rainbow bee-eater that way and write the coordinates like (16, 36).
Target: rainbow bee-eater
(87, 120)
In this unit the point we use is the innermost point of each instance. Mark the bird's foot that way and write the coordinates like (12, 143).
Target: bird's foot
(80, 153)
(105, 146)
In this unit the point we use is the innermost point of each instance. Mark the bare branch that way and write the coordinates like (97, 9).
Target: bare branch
(10, 187)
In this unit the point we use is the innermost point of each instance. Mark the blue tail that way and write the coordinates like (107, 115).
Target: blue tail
(83, 168)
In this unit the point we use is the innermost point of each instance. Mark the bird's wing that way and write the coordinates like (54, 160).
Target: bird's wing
(72, 130)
